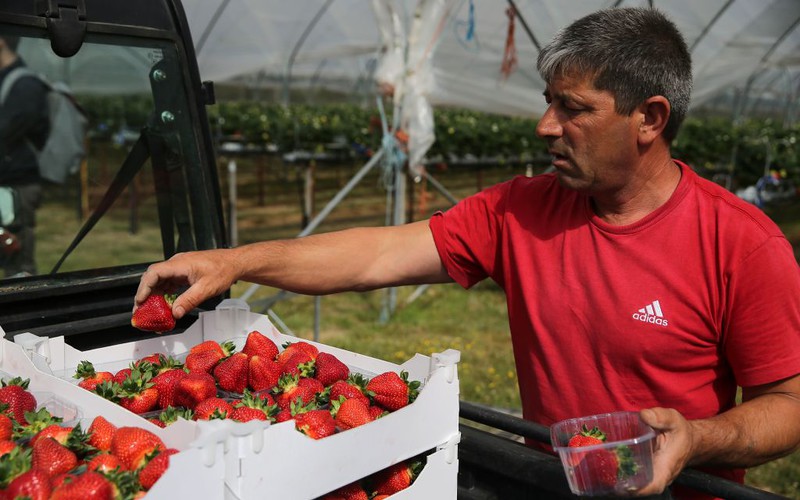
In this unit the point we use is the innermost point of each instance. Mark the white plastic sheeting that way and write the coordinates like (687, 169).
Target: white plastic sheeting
(749, 47)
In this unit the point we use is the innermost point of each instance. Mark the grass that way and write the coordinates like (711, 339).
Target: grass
(444, 316)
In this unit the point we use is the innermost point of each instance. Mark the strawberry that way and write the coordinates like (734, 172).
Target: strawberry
(393, 391)
(138, 393)
(132, 445)
(253, 407)
(599, 469)
(89, 377)
(6, 447)
(291, 390)
(231, 373)
(14, 393)
(290, 348)
(396, 477)
(377, 412)
(350, 413)
(193, 388)
(315, 424)
(166, 382)
(155, 468)
(154, 314)
(55, 431)
(585, 437)
(84, 486)
(101, 432)
(204, 356)
(257, 344)
(212, 408)
(121, 375)
(352, 388)
(6, 427)
(262, 373)
(104, 462)
(51, 457)
(352, 491)
(328, 369)
(33, 484)
(299, 363)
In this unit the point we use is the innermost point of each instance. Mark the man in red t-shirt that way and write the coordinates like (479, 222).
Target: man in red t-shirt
(632, 284)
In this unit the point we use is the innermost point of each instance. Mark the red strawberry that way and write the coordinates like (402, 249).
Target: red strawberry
(253, 407)
(397, 477)
(14, 393)
(6, 427)
(166, 382)
(138, 393)
(204, 356)
(101, 432)
(350, 413)
(7, 446)
(328, 369)
(154, 314)
(121, 375)
(262, 373)
(89, 377)
(376, 412)
(393, 391)
(231, 373)
(84, 486)
(104, 462)
(212, 408)
(300, 363)
(312, 384)
(292, 348)
(352, 388)
(291, 390)
(153, 360)
(33, 484)
(170, 415)
(55, 431)
(352, 491)
(132, 445)
(155, 468)
(600, 468)
(315, 424)
(586, 437)
(193, 388)
(51, 457)
(257, 344)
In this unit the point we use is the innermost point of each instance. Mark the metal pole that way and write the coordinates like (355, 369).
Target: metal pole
(234, 230)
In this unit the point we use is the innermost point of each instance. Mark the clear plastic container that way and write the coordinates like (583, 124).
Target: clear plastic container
(620, 465)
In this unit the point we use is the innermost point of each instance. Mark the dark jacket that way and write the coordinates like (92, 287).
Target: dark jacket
(23, 120)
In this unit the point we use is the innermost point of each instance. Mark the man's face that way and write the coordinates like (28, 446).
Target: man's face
(593, 147)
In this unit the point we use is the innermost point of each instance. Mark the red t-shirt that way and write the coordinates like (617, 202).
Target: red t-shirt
(674, 310)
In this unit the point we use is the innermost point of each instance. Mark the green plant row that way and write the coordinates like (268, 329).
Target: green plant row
(712, 145)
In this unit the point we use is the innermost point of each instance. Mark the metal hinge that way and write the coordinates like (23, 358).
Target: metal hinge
(66, 24)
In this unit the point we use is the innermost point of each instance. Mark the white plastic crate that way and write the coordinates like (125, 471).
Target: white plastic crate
(256, 453)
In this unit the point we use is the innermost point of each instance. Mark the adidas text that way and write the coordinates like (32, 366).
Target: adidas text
(647, 318)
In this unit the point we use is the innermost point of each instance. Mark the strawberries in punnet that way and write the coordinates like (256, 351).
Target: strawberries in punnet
(315, 424)
(328, 369)
(33, 484)
(299, 363)
(193, 388)
(292, 348)
(15, 394)
(393, 391)
(254, 407)
(154, 314)
(155, 468)
(132, 445)
(104, 462)
(6, 427)
(258, 344)
(138, 393)
(166, 382)
(350, 413)
(262, 373)
(397, 477)
(53, 458)
(89, 377)
(291, 390)
(352, 491)
(84, 486)
(354, 387)
(204, 356)
(101, 431)
(231, 373)
(212, 408)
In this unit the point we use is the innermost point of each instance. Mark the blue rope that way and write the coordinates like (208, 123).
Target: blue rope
(394, 157)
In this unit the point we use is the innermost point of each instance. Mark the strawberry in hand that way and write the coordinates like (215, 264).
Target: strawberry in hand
(154, 314)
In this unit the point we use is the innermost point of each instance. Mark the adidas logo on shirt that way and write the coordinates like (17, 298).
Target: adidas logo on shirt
(651, 313)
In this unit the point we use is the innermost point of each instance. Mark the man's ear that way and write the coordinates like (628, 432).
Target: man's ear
(653, 113)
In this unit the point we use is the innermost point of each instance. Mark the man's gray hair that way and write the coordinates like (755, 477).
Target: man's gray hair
(635, 53)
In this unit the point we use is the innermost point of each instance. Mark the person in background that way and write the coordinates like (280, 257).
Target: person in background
(24, 125)
(631, 282)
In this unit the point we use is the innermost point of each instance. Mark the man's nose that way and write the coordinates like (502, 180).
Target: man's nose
(548, 125)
